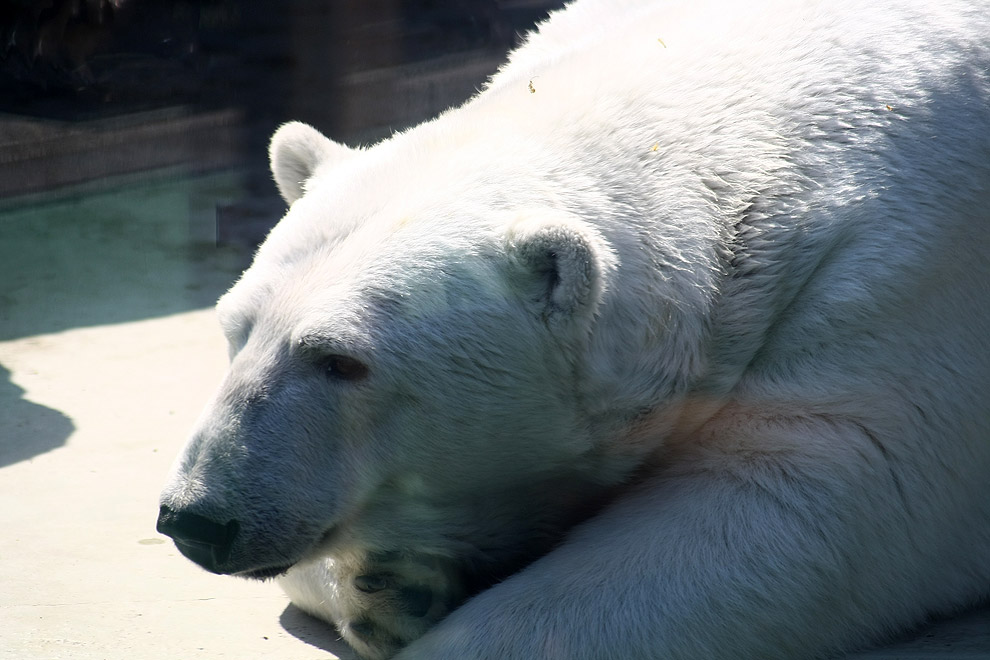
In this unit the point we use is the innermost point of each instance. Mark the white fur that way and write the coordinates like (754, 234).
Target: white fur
(720, 266)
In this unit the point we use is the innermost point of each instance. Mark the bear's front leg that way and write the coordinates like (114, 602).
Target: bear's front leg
(379, 602)
(787, 551)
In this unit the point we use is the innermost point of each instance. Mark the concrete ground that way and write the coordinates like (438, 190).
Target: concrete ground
(108, 351)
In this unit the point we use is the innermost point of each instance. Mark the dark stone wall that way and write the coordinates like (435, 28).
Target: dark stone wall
(96, 88)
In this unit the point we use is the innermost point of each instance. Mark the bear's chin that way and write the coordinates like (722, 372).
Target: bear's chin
(316, 550)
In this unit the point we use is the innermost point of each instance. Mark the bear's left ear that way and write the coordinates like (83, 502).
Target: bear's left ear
(564, 263)
(296, 150)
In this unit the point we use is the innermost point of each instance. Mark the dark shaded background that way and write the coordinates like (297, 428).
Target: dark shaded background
(99, 88)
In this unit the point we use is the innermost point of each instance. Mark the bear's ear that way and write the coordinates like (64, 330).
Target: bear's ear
(564, 263)
(296, 150)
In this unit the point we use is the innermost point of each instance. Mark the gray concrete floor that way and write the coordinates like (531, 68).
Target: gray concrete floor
(108, 351)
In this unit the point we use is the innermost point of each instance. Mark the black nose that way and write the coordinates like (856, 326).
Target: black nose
(204, 541)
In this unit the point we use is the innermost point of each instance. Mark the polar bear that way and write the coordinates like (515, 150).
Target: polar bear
(669, 344)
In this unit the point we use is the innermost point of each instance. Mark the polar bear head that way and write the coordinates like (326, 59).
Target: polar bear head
(410, 359)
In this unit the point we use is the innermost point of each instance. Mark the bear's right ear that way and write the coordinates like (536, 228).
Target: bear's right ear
(565, 264)
(296, 150)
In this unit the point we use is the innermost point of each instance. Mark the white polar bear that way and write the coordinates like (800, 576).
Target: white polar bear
(669, 344)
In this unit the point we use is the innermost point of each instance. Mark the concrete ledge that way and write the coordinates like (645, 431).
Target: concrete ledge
(42, 155)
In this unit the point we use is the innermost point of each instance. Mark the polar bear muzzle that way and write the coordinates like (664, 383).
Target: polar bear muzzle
(200, 539)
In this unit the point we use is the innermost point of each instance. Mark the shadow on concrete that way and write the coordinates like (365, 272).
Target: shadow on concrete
(143, 250)
(315, 632)
(28, 428)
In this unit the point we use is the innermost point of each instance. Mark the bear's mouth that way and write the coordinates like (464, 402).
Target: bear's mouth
(266, 573)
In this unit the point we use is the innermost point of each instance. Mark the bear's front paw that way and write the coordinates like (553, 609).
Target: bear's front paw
(392, 599)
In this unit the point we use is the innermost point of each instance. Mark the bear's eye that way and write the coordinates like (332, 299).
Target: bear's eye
(342, 367)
